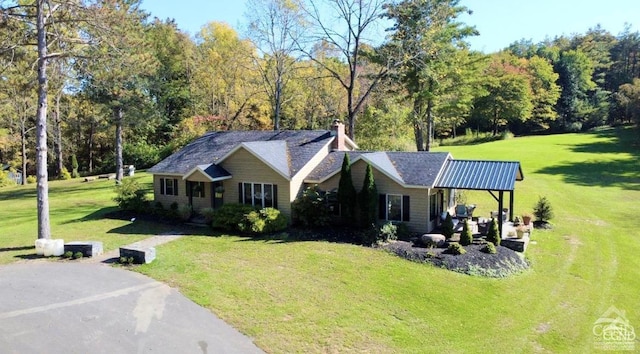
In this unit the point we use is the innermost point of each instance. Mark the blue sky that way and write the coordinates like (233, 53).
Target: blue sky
(500, 22)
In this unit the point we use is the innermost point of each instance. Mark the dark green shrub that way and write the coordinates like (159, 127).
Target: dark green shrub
(130, 196)
(543, 210)
(263, 221)
(67, 254)
(78, 255)
(368, 199)
(208, 214)
(310, 209)
(403, 231)
(494, 233)
(184, 212)
(368, 235)
(346, 191)
(447, 226)
(388, 232)
(466, 237)
(456, 249)
(489, 248)
(230, 216)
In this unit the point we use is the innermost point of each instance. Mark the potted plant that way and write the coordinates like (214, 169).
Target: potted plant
(520, 230)
(526, 218)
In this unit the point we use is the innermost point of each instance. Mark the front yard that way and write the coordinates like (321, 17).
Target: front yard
(334, 297)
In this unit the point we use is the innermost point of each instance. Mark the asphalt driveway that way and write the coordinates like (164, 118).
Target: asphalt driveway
(55, 307)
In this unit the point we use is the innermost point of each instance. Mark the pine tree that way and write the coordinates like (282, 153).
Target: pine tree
(346, 191)
(543, 210)
(74, 166)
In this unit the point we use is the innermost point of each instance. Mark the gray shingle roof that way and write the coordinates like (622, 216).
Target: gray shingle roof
(301, 146)
(408, 168)
(480, 175)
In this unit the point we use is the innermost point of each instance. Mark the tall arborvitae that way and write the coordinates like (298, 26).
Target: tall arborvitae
(346, 191)
(368, 199)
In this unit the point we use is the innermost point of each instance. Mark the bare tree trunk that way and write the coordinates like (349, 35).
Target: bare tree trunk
(23, 140)
(429, 124)
(418, 131)
(57, 144)
(44, 228)
(277, 103)
(117, 116)
(91, 132)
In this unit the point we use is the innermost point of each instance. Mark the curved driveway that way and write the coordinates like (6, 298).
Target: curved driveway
(50, 307)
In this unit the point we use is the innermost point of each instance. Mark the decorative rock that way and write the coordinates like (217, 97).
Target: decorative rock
(436, 240)
(88, 248)
(140, 254)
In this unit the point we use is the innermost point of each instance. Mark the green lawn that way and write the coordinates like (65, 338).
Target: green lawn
(77, 210)
(329, 297)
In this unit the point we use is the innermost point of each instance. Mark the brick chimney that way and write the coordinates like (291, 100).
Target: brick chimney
(337, 130)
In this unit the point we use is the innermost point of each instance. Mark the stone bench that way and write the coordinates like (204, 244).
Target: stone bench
(87, 248)
(140, 254)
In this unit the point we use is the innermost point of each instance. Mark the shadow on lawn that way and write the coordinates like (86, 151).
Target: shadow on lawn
(19, 248)
(623, 173)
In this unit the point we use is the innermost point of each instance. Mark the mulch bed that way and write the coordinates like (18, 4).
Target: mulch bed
(504, 263)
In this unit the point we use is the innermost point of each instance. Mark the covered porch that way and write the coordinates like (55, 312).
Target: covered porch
(495, 177)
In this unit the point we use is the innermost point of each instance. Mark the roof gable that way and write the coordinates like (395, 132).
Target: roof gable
(274, 154)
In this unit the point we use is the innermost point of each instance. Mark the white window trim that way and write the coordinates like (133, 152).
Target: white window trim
(253, 192)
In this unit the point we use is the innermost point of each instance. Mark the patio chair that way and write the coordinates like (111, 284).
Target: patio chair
(461, 211)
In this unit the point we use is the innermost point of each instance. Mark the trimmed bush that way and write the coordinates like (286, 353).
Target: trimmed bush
(489, 248)
(230, 216)
(310, 209)
(32, 179)
(456, 249)
(130, 196)
(388, 232)
(447, 226)
(263, 221)
(494, 233)
(74, 166)
(543, 210)
(466, 237)
(402, 231)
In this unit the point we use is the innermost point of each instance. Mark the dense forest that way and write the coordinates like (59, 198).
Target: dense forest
(113, 85)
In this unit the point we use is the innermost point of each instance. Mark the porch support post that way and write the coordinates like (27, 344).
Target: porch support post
(500, 207)
(511, 205)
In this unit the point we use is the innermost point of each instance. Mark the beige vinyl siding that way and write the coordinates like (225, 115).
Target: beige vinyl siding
(167, 200)
(419, 198)
(197, 176)
(245, 167)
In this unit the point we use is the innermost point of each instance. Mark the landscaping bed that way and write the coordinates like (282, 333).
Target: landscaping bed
(504, 263)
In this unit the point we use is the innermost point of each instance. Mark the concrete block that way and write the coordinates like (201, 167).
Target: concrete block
(140, 255)
(88, 248)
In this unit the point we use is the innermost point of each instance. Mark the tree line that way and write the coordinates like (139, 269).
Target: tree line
(106, 84)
